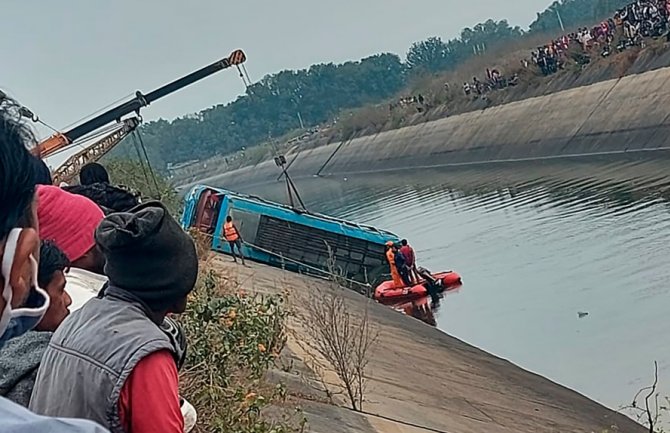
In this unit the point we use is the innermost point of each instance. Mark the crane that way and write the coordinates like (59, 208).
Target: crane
(68, 170)
(60, 140)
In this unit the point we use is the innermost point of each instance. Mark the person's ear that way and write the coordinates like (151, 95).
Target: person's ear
(20, 277)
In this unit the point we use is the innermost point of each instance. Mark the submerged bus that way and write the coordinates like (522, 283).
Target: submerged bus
(279, 235)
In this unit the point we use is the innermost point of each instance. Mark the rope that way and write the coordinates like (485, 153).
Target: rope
(98, 111)
(146, 156)
(83, 142)
(245, 79)
(139, 158)
(297, 262)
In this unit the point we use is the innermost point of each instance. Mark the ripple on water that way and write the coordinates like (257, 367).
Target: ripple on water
(536, 243)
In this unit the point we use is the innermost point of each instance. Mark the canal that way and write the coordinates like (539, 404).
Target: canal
(537, 244)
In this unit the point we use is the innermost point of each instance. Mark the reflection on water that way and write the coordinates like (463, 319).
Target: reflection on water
(536, 244)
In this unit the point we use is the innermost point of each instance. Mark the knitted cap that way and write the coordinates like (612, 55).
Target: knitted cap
(68, 220)
(148, 254)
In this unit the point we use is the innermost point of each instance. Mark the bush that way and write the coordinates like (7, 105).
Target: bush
(234, 339)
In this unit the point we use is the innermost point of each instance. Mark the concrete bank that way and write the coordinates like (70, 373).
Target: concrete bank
(423, 380)
(629, 114)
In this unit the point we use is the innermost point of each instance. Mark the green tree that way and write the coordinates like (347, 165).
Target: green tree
(431, 55)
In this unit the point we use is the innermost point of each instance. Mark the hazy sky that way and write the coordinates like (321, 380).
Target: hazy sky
(66, 59)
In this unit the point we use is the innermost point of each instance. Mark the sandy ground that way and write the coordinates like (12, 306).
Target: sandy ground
(423, 380)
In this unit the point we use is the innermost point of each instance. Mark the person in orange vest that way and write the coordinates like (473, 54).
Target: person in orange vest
(233, 237)
(390, 257)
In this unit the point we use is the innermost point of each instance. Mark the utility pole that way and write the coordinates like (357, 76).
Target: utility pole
(302, 125)
(560, 20)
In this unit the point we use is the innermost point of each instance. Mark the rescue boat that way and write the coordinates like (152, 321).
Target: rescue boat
(387, 292)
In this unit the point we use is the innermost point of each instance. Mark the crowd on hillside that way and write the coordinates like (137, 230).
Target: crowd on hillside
(629, 27)
(495, 80)
(90, 279)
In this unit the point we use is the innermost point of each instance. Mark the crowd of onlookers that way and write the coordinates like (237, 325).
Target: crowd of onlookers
(90, 278)
(418, 102)
(629, 27)
(494, 81)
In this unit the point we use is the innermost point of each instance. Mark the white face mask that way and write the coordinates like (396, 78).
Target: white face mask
(15, 322)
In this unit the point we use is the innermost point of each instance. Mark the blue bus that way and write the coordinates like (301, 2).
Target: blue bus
(279, 235)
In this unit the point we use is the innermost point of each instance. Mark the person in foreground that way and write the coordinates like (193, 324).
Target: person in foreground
(23, 303)
(21, 356)
(94, 183)
(109, 361)
(70, 221)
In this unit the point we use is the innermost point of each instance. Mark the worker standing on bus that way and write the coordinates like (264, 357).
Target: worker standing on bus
(390, 257)
(233, 237)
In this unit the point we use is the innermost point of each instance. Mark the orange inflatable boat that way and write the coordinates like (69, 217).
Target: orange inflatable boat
(387, 292)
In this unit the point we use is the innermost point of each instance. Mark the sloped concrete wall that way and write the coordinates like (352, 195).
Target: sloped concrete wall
(627, 114)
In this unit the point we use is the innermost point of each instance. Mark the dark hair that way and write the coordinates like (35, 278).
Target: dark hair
(93, 173)
(41, 172)
(52, 260)
(404, 242)
(229, 218)
(17, 180)
(108, 197)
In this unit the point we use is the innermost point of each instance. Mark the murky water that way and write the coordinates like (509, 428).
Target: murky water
(537, 243)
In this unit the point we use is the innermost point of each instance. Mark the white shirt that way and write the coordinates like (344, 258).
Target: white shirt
(82, 285)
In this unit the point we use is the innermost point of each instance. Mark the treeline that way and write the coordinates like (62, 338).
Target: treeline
(278, 103)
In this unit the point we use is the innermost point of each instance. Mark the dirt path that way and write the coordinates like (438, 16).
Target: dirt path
(423, 380)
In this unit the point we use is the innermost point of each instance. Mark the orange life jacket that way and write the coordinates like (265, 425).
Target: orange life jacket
(230, 232)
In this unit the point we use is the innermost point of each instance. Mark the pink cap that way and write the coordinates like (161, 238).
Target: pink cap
(69, 220)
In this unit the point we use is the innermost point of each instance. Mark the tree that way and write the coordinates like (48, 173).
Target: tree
(431, 55)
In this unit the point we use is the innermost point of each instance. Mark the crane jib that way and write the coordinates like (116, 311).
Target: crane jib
(134, 105)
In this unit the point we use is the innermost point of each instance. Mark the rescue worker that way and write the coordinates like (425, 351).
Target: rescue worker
(410, 260)
(233, 237)
(390, 257)
(401, 266)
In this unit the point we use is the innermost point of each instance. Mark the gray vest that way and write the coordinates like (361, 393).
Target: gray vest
(90, 357)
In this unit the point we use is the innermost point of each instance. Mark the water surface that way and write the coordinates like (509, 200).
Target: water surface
(536, 243)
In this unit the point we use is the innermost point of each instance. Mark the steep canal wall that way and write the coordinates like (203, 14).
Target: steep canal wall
(629, 114)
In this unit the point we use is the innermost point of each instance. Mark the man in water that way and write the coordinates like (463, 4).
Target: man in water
(432, 284)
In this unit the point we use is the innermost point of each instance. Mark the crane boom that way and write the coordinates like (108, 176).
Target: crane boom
(67, 171)
(61, 140)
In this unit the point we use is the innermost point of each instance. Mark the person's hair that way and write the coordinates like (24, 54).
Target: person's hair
(404, 242)
(108, 197)
(52, 260)
(17, 178)
(93, 173)
(229, 218)
(41, 172)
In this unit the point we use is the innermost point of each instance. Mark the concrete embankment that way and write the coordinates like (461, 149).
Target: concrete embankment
(423, 380)
(629, 114)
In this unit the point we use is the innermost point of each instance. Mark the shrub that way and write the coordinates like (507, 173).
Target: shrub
(234, 338)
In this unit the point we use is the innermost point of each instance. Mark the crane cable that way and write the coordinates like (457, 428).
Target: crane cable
(244, 75)
(144, 157)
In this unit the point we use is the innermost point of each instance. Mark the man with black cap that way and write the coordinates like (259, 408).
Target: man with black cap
(110, 361)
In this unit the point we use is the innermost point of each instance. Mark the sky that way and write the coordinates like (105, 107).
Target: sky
(67, 59)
